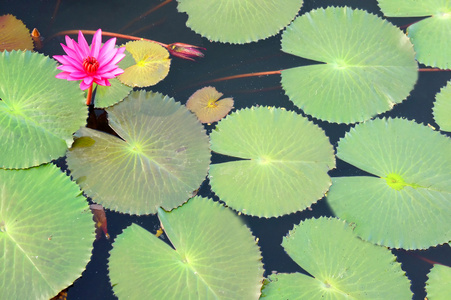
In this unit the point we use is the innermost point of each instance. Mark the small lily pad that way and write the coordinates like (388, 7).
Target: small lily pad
(46, 232)
(213, 256)
(160, 157)
(38, 112)
(341, 266)
(150, 66)
(368, 64)
(405, 202)
(283, 162)
(238, 21)
(442, 108)
(205, 104)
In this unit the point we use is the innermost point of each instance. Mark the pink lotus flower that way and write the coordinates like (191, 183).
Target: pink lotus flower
(90, 65)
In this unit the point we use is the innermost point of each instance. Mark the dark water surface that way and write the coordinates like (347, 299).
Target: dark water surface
(167, 25)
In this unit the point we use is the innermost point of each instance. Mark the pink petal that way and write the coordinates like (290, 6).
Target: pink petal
(75, 63)
(96, 43)
(107, 56)
(118, 71)
(68, 61)
(120, 50)
(117, 58)
(108, 75)
(106, 50)
(61, 58)
(80, 52)
(83, 45)
(106, 68)
(77, 76)
(68, 68)
(84, 86)
(62, 75)
(115, 72)
(73, 53)
(88, 80)
(103, 82)
(69, 42)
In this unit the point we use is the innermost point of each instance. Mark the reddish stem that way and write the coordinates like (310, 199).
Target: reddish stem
(280, 71)
(429, 261)
(112, 34)
(245, 75)
(408, 25)
(432, 70)
(89, 97)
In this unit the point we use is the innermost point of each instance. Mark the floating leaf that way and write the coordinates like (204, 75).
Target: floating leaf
(110, 95)
(238, 21)
(407, 203)
(38, 112)
(161, 157)
(284, 162)
(342, 265)
(438, 285)
(412, 8)
(14, 35)
(46, 232)
(369, 64)
(150, 66)
(442, 108)
(431, 37)
(214, 256)
(205, 105)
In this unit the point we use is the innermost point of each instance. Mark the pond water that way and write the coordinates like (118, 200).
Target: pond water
(167, 25)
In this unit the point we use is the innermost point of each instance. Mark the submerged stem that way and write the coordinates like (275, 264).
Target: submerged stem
(144, 14)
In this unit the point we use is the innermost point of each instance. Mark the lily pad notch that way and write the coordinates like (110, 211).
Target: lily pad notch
(368, 64)
(161, 156)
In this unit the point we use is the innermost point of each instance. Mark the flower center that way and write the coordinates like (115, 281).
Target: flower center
(90, 64)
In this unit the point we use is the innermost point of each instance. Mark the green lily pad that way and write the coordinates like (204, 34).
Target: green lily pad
(431, 37)
(406, 203)
(442, 108)
(438, 285)
(38, 112)
(46, 232)
(369, 64)
(110, 95)
(214, 256)
(161, 157)
(238, 21)
(150, 64)
(342, 266)
(284, 162)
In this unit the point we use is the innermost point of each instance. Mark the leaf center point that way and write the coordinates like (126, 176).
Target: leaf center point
(212, 103)
(396, 182)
